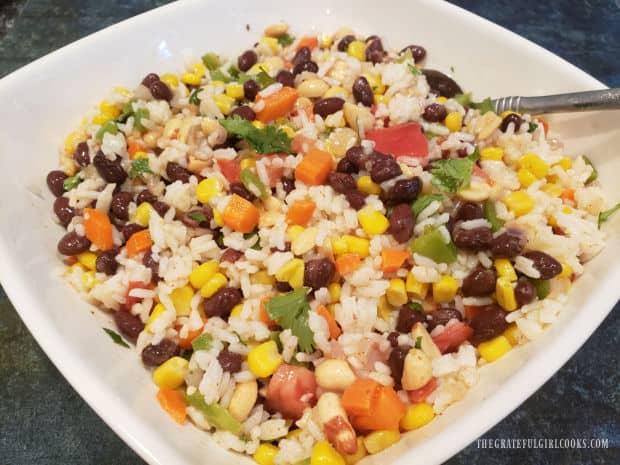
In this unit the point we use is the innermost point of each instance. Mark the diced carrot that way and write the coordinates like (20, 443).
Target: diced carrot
(357, 399)
(314, 167)
(139, 242)
(186, 342)
(230, 169)
(300, 212)
(173, 403)
(393, 259)
(240, 214)
(302, 144)
(307, 41)
(348, 262)
(371, 406)
(277, 104)
(264, 316)
(568, 194)
(334, 329)
(134, 147)
(98, 228)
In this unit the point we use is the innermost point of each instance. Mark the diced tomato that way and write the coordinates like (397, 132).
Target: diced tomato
(453, 335)
(129, 300)
(275, 173)
(477, 171)
(301, 144)
(419, 395)
(230, 169)
(291, 390)
(400, 140)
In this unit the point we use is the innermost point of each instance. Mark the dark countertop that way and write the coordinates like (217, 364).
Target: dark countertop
(42, 419)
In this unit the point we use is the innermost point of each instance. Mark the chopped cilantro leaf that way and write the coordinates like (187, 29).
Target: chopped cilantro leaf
(202, 342)
(291, 311)
(453, 174)
(531, 127)
(71, 183)
(286, 39)
(193, 97)
(263, 78)
(418, 342)
(233, 71)
(485, 106)
(415, 71)
(424, 201)
(116, 338)
(139, 167)
(594, 175)
(266, 140)
(198, 217)
(417, 306)
(250, 235)
(604, 216)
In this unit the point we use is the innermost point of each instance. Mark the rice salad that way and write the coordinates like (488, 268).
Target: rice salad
(317, 243)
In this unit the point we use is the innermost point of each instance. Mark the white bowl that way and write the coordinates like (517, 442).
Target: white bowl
(45, 100)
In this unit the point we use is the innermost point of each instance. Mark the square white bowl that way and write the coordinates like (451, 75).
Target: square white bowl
(45, 100)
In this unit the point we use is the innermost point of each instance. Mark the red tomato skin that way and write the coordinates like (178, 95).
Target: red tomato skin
(230, 170)
(452, 336)
(129, 301)
(401, 140)
(291, 390)
(419, 395)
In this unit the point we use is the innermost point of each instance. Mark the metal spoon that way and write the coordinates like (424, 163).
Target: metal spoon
(606, 99)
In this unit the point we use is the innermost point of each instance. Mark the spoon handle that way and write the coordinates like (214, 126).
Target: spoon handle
(606, 99)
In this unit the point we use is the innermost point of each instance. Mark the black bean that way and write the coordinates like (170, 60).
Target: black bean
(155, 355)
(466, 211)
(250, 89)
(479, 283)
(474, 240)
(356, 198)
(128, 325)
(120, 205)
(176, 172)
(318, 273)
(303, 54)
(149, 262)
(73, 244)
(396, 362)
(222, 302)
(404, 191)
(285, 78)
(371, 37)
(160, 91)
(393, 338)
(288, 184)
(513, 118)
(441, 84)
(150, 79)
(240, 190)
(244, 112)
(231, 255)
(435, 112)
(344, 42)
(407, 317)
(55, 182)
(160, 207)
(356, 156)
(345, 166)
(106, 262)
(246, 60)
(145, 196)
(229, 361)
(384, 169)
(130, 229)
(508, 244)
(283, 286)
(374, 50)
(309, 66)
(327, 106)
(401, 223)
(442, 316)
(525, 292)
(488, 322)
(81, 156)
(417, 52)
(110, 170)
(362, 92)
(63, 211)
(548, 266)
(341, 182)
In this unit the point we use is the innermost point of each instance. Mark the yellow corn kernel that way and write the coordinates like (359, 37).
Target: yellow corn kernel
(441, 99)
(492, 153)
(224, 103)
(198, 68)
(140, 154)
(258, 124)
(218, 83)
(567, 270)
(289, 131)
(293, 231)
(359, 455)
(552, 190)
(384, 309)
(247, 163)
(234, 90)
(505, 294)
(217, 281)
(171, 373)
(494, 349)
(142, 214)
(181, 299)
(71, 141)
(88, 279)
(108, 108)
(532, 162)
(373, 222)
(170, 80)
(454, 121)
(336, 91)
(567, 210)
(101, 119)
(366, 185)
(509, 112)
(417, 416)
(416, 288)
(271, 42)
(122, 90)
(396, 293)
(326, 40)
(88, 259)
(264, 359)
(445, 289)
(358, 245)
(158, 310)
(384, 99)
(202, 273)
(505, 269)
(357, 49)
(519, 203)
(236, 311)
(191, 79)
(218, 218)
(339, 245)
(512, 334)
(264, 278)
(379, 440)
(208, 188)
(526, 177)
(376, 84)
(292, 272)
(334, 292)
(324, 454)
(265, 454)
(565, 162)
